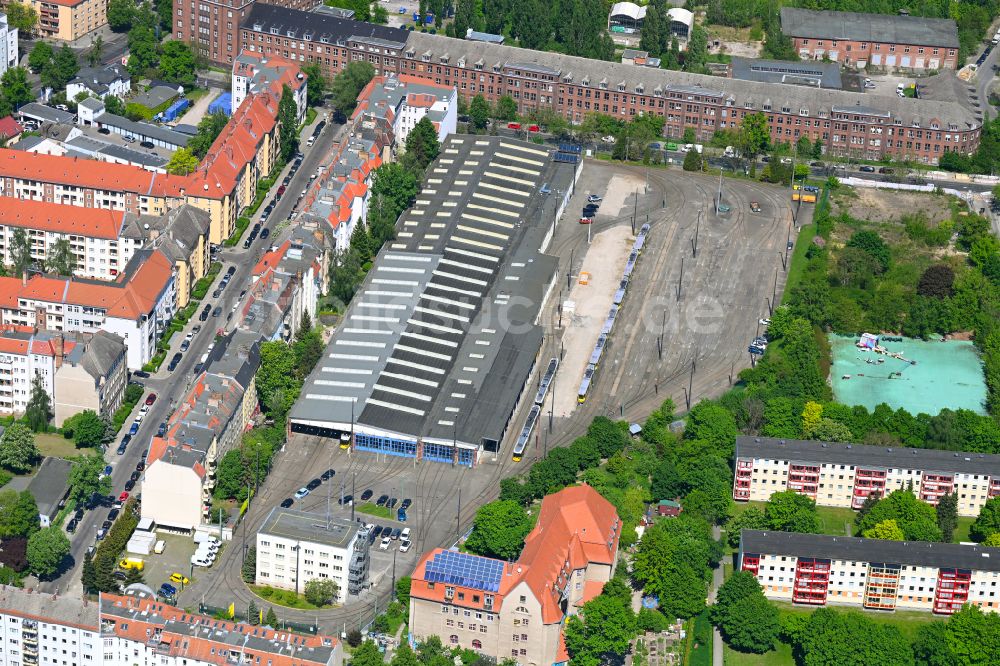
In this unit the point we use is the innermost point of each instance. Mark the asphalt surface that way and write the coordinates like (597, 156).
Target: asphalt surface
(984, 79)
(170, 387)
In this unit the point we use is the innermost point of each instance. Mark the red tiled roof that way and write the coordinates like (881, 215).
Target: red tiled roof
(63, 219)
(9, 127)
(74, 171)
(271, 258)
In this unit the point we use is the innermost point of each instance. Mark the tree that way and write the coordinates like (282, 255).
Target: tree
(47, 549)
(88, 574)
(992, 541)
(182, 162)
(249, 569)
(209, 129)
(606, 628)
(692, 161)
(404, 656)
(403, 591)
(947, 515)
(582, 29)
(915, 518)
(288, 117)
(321, 591)
(39, 408)
(271, 619)
(651, 38)
(811, 415)
(888, 530)
(18, 452)
(803, 147)
(751, 519)
(14, 88)
(871, 243)
(817, 151)
(988, 521)
(316, 83)
(253, 614)
(177, 63)
(120, 15)
(479, 113)
(85, 479)
(367, 654)
(499, 530)
(422, 146)
(850, 639)
(506, 109)
(20, 251)
(697, 50)
(41, 56)
(18, 514)
(754, 136)
(133, 576)
(115, 105)
(788, 511)
(61, 69)
(22, 16)
(96, 51)
(746, 619)
(61, 260)
(349, 83)
(143, 50)
(936, 281)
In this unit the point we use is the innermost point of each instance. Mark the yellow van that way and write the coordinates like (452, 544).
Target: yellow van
(132, 563)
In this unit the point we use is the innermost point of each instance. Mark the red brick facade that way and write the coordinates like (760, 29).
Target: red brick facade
(877, 54)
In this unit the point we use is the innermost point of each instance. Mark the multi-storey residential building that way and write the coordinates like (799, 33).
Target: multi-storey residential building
(212, 26)
(848, 124)
(8, 44)
(136, 628)
(182, 236)
(209, 421)
(78, 371)
(295, 547)
(876, 40)
(843, 475)
(254, 72)
(95, 235)
(39, 629)
(815, 569)
(69, 19)
(518, 609)
(136, 306)
(403, 101)
(101, 81)
(93, 375)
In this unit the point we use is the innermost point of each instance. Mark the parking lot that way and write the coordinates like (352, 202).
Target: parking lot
(175, 558)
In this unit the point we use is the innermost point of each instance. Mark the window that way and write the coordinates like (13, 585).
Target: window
(477, 644)
(453, 639)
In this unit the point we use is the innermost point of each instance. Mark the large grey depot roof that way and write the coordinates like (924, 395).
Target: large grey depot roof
(439, 340)
(860, 455)
(855, 27)
(857, 549)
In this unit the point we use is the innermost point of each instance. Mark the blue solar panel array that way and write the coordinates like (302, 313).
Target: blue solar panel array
(453, 568)
(570, 148)
(566, 157)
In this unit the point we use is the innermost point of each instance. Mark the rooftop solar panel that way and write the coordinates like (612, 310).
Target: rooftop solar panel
(566, 157)
(570, 148)
(455, 568)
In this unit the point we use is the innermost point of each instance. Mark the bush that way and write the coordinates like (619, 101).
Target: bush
(321, 591)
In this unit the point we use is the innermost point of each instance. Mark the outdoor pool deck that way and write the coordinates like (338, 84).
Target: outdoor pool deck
(946, 375)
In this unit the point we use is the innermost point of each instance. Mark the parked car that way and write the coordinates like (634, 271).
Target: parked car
(314, 484)
(382, 500)
(406, 504)
(867, 168)
(167, 590)
(384, 545)
(395, 534)
(264, 233)
(301, 492)
(391, 503)
(179, 578)
(367, 495)
(122, 447)
(123, 497)
(133, 429)
(287, 502)
(140, 373)
(593, 198)
(71, 525)
(404, 545)
(174, 361)
(328, 474)
(150, 399)
(217, 311)
(185, 345)
(130, 484)
(103, 130)
(346, 500)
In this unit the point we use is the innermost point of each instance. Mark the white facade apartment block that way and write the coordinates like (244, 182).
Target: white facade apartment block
(17, 371)
(444, 110)
(99, 258)
(843, 475)
(289, 563)
(26, 641)
(811, 569)
(8, 45)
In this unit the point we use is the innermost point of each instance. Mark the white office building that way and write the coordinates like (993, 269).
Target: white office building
(8, 45)
(295, 547)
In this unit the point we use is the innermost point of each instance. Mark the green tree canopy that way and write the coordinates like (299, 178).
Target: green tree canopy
(38, 411)
(788, 511)
(321, 591)
(887, 529)
(754, 135)
(47, 548)
(606, 628)
(988, 520)
(61, 259)
(288, 117)
(479, 113)
(177, 63)
(120, 14)
(422, 146)
(499, 530)
(209, 129)
(22, 16)
(18, 452)
(506, 109)
(18, 513)
(871, 243)
(838, 638)
(41, 56)
(349, 83)
(915, 518)
(182, 162)
(746, 619)
(316, 83)
(85, 479)
(367, 654)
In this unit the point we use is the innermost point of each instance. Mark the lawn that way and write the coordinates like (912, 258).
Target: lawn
(835, 521)
(780, 657)
(286, 598)
(908, 622)
(373, 510)
(962, 531)
(52, 444)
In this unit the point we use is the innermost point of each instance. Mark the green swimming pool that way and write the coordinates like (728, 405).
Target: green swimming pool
(946, 374)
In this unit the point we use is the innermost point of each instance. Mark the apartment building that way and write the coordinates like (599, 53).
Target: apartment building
(68, 20)
(136, 628)
(254, 72)
(8, 45)
(136, 306)
(287, 283)
(403, 101)
(873, 40)
(518, 609)
(849, 124)
(843, 475)
(38, 629)
(208, 422)
(182, 236)
(212, 26)
(78, 371)
(815, 570)
(101, 81)
(295, 547)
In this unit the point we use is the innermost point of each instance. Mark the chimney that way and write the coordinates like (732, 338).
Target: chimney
(58, 344)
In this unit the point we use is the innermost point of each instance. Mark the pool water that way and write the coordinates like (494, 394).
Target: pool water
(946, 374)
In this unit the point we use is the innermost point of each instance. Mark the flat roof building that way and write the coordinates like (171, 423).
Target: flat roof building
(437, 345)
(334, 548)
(816, 569)
(837, 474)
(809, 73)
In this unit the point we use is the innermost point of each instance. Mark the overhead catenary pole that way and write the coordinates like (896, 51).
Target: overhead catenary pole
(680, 280)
